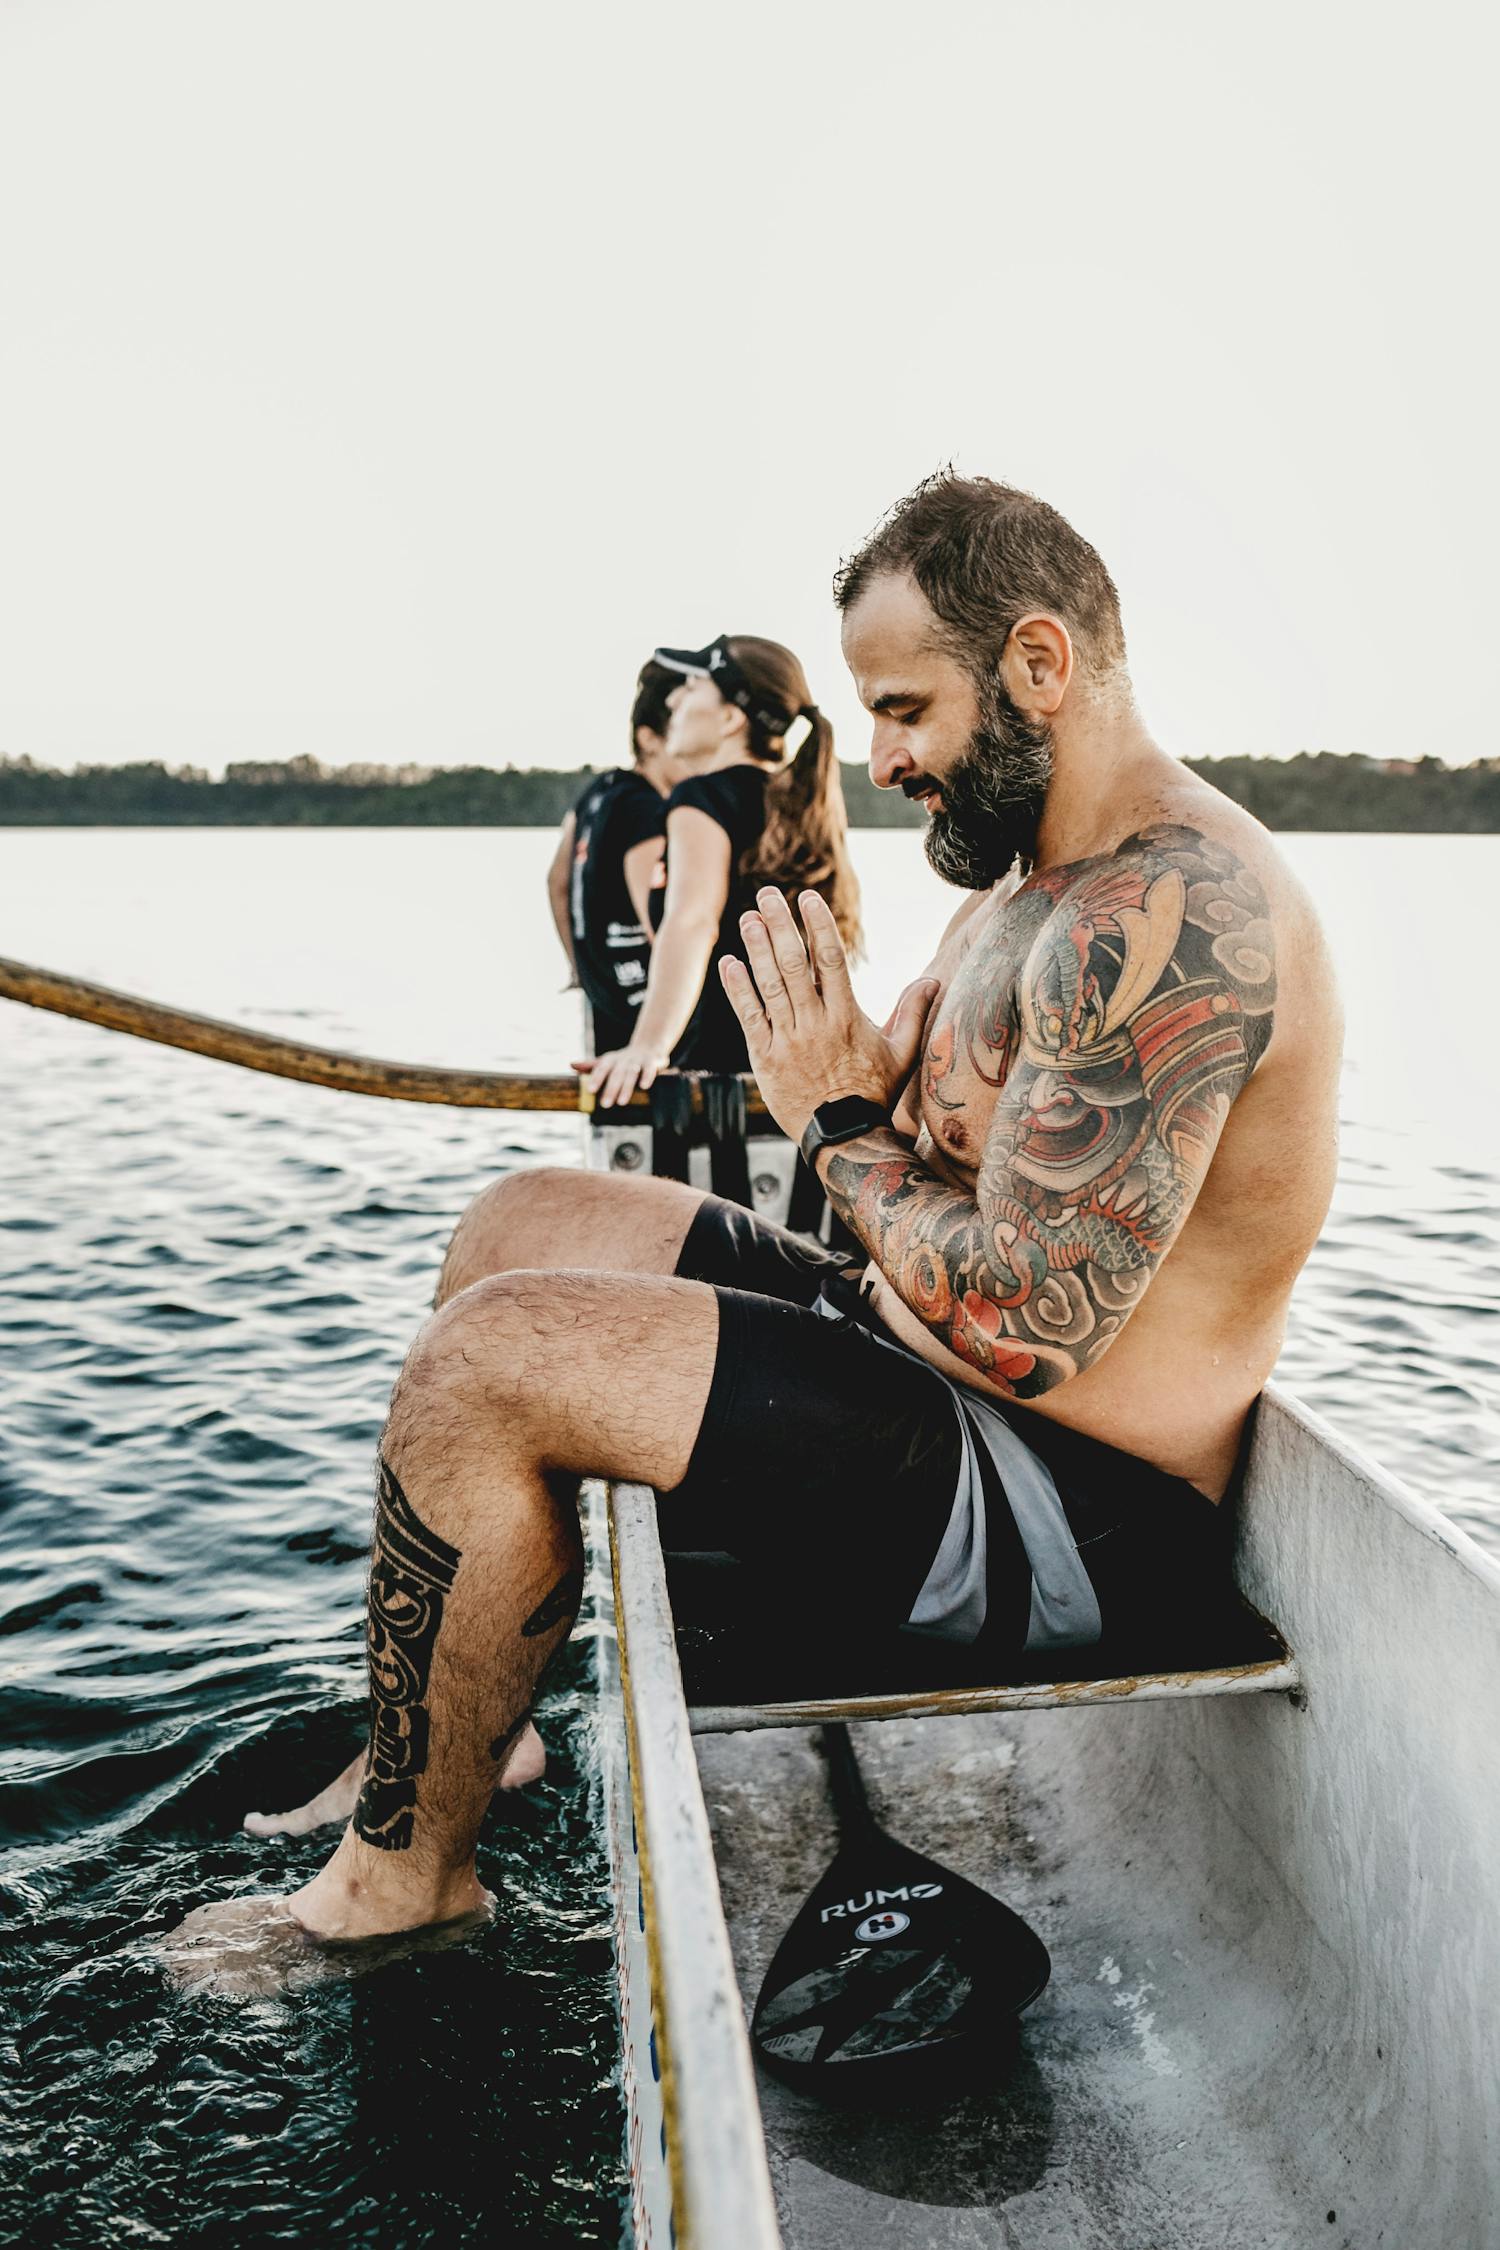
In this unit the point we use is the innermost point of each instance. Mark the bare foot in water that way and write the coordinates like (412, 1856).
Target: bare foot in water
(356, 1914)
(249, 1948)
(335, 1804)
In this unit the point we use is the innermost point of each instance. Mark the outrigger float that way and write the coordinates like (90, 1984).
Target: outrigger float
(1267, 1869)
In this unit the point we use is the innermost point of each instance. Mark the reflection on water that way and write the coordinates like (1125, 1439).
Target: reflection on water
(206, 1284)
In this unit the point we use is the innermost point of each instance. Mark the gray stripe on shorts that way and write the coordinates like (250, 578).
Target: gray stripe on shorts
(953, 1602)
(1064, 1606)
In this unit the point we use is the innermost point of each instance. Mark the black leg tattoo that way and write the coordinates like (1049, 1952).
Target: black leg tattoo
(559, 1607)
(410, 1572)
(561, 1603)
(502, 1742)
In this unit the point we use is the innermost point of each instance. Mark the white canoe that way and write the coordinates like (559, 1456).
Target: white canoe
(1271, 1890)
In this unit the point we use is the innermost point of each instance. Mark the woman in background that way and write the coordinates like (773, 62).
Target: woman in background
(745, 811)
(607, 864)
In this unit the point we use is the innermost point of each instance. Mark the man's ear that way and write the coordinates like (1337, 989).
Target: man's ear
(1038, 664)
(733, 720)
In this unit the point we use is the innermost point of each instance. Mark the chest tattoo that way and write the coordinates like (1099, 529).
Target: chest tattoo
(1117, 1006)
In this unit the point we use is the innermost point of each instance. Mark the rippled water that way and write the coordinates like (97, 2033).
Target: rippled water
(207, 1280)
(204, 1310)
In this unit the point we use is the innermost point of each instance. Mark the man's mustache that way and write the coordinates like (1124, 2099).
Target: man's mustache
(917, 785)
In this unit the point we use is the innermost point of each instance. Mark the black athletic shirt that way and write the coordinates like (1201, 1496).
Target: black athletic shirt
(616, 812)
(736, 799)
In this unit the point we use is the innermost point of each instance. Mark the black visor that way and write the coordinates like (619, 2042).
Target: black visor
(720, 667)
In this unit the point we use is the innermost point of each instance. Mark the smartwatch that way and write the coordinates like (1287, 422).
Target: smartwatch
(842, 1120)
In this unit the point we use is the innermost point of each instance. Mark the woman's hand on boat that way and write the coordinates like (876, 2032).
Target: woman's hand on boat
(810, 1041)
(614, 1077)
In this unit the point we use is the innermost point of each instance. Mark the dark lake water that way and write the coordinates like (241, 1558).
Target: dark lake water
(207, 1281)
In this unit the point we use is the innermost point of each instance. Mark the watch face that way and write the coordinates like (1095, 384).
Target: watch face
(843, 1119)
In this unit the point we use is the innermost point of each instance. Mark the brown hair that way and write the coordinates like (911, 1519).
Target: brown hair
(654, 683)
(984, 554)
(804, 844)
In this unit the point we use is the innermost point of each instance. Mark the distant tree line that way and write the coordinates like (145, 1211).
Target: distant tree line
(1307, 792)
(1389, 796)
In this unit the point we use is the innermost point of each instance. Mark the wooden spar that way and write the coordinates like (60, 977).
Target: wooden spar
(289, 1058)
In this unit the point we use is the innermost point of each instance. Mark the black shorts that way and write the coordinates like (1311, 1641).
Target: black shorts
(829, 1463)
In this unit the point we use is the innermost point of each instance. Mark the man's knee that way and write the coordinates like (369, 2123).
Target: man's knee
(576, 1372)
(471, 1364)
(504, 1225)
(518, 1201)
(478, 1335)
(554, 1217)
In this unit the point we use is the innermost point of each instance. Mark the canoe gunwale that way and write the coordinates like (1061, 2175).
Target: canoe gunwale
(721, 2184)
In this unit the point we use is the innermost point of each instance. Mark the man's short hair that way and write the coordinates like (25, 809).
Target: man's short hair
(985, 555)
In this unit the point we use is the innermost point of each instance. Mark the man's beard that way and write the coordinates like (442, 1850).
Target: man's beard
(993, 798)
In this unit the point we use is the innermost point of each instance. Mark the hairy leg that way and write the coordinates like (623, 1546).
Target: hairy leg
(606, 1221)
(521, 1384)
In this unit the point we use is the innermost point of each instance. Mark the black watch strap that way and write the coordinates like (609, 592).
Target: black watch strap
(843, 1120)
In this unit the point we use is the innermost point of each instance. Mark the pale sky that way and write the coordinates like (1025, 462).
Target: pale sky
(382, 381)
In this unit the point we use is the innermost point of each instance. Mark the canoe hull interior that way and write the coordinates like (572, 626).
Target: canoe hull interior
(1274, 1916)
(1275, 1920)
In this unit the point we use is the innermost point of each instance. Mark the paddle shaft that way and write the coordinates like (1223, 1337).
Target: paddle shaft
(313, 1066)
(847, 1783)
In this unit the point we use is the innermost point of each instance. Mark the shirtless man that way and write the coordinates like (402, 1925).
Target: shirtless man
(1083, 1211)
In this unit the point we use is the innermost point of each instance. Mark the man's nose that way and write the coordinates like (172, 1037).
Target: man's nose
(890, 760)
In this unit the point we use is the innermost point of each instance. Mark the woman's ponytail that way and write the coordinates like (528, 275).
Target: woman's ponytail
(803, 780)
(804, 844)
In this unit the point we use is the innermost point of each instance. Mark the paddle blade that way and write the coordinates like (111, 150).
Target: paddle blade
(893, 1964)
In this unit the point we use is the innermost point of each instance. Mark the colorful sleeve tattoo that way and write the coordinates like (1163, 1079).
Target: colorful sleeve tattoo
(1143, 1006)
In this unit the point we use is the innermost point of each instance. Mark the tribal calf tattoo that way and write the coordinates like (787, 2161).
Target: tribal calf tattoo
(502, 1742)
(559, 1607)
(411, 1572)
(1143, 1003)
(561, 1603)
